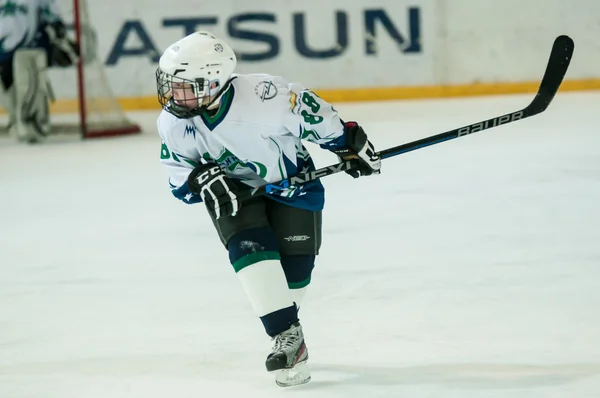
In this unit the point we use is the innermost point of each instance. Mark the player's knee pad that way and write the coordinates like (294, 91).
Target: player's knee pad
(32, 116)
(252, 245)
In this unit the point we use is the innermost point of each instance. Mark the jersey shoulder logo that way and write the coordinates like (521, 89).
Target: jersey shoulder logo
(265, 90)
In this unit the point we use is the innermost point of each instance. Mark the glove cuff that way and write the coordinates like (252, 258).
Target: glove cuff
(356, 140)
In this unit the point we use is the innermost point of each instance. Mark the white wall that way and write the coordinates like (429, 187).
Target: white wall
(459, 41)
(510, 40)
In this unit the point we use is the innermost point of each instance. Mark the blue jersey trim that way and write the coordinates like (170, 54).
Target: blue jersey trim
(183, 193)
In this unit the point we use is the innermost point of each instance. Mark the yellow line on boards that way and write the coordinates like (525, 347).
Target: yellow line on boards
(359, 94)
(398, 93)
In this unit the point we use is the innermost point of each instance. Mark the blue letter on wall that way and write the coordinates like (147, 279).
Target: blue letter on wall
(341, 28)
(235, 32)
(414, 23)
(118, 49)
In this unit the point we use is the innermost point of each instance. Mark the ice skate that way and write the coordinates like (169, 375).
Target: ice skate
(288, 357)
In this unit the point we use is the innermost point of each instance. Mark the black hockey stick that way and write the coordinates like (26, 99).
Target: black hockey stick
(560, 57)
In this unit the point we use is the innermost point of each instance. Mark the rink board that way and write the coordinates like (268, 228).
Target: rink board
(351, 51)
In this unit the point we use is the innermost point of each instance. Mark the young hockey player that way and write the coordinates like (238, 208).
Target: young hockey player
(32, 37)
(223, 133)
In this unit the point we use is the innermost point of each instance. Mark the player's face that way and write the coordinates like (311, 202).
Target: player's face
(183, 95)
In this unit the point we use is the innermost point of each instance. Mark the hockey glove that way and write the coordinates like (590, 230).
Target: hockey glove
(62, 50)
(218, 192)
(359, 147)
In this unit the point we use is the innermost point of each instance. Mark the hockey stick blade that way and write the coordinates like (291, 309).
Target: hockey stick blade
(558, 63)
(560, 58)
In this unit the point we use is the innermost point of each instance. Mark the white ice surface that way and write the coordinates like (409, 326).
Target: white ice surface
(467, 269)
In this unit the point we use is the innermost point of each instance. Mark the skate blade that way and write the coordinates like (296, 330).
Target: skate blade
(299, 374)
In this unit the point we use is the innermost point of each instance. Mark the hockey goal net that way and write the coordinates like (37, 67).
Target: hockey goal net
(83, 101)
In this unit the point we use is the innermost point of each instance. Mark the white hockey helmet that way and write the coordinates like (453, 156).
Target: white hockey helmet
(193, 73)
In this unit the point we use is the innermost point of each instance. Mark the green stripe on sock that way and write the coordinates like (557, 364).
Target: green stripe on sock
(254, 258)
(299, 285)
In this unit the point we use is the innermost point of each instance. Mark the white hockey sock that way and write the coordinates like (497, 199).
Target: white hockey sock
(265, 285)
(298, 295)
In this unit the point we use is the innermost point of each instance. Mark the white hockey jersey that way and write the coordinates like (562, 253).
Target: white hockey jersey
(256, 136)
(20, 22)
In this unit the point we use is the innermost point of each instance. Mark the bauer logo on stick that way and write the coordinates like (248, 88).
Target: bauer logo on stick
(497, 121)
